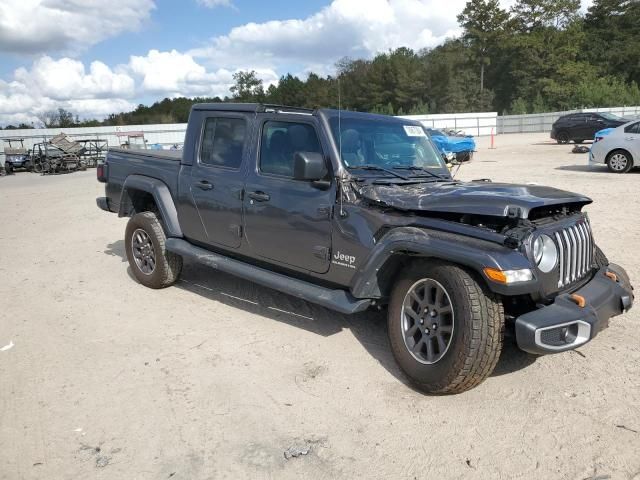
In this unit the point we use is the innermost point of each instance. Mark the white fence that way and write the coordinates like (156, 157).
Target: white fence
(164, 134)
(541, 122)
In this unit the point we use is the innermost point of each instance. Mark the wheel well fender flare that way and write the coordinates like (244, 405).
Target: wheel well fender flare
(375, 277)
(162, 198)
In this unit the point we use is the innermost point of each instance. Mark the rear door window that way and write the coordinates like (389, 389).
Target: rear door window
(223, 141)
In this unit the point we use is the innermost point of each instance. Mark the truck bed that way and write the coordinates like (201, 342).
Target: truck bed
(163, 165)
(165, 154)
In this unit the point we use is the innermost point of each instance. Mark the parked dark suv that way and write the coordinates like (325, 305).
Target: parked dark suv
(582, 126)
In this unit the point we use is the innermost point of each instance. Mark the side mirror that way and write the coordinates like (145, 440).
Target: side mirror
(309, 166)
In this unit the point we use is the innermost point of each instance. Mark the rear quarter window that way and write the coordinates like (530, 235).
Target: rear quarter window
(633, 128)
(223, 141)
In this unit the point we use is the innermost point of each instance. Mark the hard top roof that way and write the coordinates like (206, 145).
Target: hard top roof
(250, 107)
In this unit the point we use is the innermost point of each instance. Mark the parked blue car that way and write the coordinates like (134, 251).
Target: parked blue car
(462, 147)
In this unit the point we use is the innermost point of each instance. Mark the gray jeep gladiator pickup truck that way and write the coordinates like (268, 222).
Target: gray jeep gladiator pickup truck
(353, 210)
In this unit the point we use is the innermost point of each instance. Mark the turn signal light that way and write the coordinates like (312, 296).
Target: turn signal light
(508, 276)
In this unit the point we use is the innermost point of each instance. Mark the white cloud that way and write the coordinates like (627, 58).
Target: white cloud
(46, 26)
(66, 79)
(98, 90)
(355, 28)
(64, 83)
(215, 3)
(178, 74)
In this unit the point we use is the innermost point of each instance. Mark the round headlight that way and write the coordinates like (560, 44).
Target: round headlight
(545, 253)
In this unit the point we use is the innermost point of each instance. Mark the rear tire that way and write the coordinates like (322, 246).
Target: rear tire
(619, 161)
(562, 138)
(476, 321)
(151, 263)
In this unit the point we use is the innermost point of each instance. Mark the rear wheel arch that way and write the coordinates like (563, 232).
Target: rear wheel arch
(140, 194)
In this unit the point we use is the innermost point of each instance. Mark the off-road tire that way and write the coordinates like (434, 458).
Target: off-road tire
(168, 265)
(477, 337)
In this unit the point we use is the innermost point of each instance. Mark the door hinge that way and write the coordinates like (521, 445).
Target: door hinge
(236, 230)
(323, 253)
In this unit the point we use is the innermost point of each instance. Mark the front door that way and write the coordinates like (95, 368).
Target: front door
(594, 124)
(217, 178)
(288, 221)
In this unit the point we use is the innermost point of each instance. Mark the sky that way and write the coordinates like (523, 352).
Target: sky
(95, 57)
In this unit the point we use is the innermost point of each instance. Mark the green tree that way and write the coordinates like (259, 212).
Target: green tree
(247, 87)
(612, 30)
(529, 15)
(484, 24)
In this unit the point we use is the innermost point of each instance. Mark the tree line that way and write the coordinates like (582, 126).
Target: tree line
(538, 56)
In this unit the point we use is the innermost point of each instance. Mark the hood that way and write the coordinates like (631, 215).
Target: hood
(475, 198)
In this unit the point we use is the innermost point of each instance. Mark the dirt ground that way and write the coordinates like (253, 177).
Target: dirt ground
(218, 378)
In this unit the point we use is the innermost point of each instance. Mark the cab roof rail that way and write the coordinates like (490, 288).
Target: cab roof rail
(269, 107)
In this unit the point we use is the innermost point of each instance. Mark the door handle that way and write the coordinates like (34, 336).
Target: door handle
(259, 196)
(204, 185)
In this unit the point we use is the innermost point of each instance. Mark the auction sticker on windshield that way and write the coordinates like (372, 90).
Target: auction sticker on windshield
(414, 131)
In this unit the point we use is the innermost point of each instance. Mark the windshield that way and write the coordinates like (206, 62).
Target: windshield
(435, 133)
(386, 144)
(610, 116)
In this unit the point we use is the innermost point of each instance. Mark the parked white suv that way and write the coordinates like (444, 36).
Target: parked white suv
(620, 150)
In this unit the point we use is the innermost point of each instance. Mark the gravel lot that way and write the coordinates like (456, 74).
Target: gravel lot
(213, 378)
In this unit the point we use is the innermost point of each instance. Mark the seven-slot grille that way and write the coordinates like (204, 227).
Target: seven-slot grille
(575, 248)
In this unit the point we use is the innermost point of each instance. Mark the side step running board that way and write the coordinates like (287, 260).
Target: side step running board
(338, 300)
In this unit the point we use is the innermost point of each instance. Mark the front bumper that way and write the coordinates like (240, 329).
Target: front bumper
(564, 325)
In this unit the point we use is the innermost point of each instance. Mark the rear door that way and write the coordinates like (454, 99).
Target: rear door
(288, 221)
(632, 141)
(217, 177)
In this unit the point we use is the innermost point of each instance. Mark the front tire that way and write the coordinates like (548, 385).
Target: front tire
(145, 244)
(437, 297)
